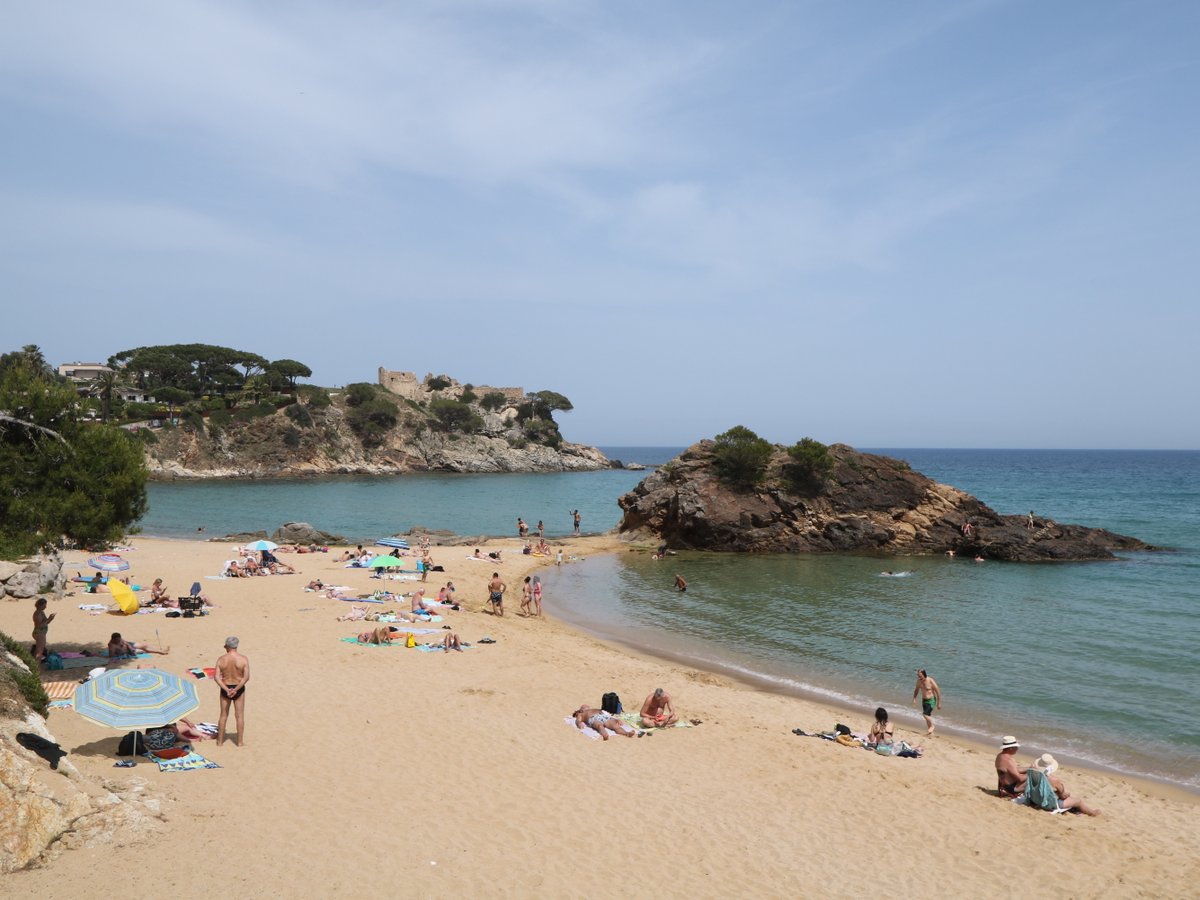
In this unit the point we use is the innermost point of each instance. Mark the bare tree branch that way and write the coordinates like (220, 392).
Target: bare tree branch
(54, 434)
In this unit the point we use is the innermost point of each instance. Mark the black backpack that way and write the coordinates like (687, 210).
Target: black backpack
(611, 703)
(132, 744)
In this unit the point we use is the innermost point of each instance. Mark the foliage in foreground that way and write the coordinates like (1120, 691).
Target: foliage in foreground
(28, 683)
(59, 477)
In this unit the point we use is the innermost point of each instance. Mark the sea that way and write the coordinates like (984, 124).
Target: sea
(1095, 662)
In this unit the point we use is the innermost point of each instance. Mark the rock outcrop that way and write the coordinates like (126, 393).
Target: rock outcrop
(40, 575)
(867, 504)
(44, 810)
(274, 447)
(303, 533)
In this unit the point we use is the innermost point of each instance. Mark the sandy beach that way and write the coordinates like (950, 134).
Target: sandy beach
(373, 772)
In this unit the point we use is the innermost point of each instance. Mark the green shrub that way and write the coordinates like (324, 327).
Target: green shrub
(213, 404)
(291, 438)
(437, 383)
(373, 419)
(740, 457)
(468, 395)
(453, 415)
(520, 442)
(359, 393)
(299, 414)
(146, 436)
(220, 417)
(810, 467)
(542, 431)
(315, 397)
(192, 420)
(28, 683)
(493, 400)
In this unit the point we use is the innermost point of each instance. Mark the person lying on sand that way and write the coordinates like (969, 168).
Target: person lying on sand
(118, 646)
(450, 642)
(601, 722)
(356, 614)
(381, 635)
(315, 585)
(657, 711)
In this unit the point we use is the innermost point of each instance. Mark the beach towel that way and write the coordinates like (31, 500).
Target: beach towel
(359, 599)
(635, 719)
(71, 654)
(92, 607)
(91, 662)
(437, 648)
(60, 690)
(590, 732)
(187, 763)
(62, 704)
(203, 672)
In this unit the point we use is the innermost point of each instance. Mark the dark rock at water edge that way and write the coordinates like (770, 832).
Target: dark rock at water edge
(869, 503)
(303, 533)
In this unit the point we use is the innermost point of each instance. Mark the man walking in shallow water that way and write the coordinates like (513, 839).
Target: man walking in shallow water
(931, 697)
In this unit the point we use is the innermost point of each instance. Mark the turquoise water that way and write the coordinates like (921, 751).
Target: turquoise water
(1091, 661)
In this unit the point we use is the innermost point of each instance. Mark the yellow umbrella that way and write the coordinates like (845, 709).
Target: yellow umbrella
(123, 595)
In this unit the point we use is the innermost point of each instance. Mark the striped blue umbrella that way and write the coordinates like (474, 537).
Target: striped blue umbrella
(108, 562)
(262, 545)
(394, 543)
(135, 698)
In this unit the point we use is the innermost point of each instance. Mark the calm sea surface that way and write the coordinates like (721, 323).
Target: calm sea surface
(1091, 661)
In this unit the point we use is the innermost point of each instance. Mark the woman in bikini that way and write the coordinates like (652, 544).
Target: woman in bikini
(882, 732)
(537, 595)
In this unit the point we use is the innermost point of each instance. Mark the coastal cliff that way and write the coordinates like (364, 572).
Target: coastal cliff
(861, 503)
(309, 440)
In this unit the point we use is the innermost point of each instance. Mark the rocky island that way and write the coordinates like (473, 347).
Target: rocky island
(739, 493)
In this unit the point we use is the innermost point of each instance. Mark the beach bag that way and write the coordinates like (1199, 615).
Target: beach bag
(53, 661)
(133, 744)
(409, 640)
(841, 729)
(611, 704)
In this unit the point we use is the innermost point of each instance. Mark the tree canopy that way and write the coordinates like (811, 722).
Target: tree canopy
(740, 456)
(202, 368)
(58, 476)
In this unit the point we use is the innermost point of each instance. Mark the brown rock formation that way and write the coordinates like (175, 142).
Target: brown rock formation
(868, 504)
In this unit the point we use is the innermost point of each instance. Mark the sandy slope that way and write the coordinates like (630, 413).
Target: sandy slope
(381, 772)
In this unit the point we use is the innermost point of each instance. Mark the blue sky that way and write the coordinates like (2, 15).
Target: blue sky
(957, 224)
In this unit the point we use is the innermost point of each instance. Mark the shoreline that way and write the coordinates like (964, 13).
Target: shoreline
(355, 750)
(811, 692)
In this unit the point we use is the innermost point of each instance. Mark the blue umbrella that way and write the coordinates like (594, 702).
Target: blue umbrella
(262, 545)
(108, 562)
(394, 543)
(135, 698)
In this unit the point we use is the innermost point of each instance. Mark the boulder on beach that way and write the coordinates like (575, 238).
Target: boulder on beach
(303, 533)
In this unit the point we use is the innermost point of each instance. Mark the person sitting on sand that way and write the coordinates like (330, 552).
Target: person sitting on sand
(446, 594)
(657, 711)
(231, 569)
(527, 550)
(158, 594)
(601, 722)
(420, 605)
(1048, 765)
(118, 646)
(1010, 780)
(882, 732)
(346, 557)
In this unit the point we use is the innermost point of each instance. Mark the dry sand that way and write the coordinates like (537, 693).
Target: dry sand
(384, 771)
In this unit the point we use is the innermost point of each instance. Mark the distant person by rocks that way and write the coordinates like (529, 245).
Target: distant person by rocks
(41, 628)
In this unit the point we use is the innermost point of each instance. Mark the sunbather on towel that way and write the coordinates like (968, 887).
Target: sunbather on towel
(601, 722)
(420, 604)
(450, 642)
(381, 635)
(118, 646)
(357, 613)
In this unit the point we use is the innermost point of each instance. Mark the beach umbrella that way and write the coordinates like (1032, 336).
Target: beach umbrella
(394, 543)
(122, 595)
(135, 698)
(384, 562)
(262, 545)
(108, 562)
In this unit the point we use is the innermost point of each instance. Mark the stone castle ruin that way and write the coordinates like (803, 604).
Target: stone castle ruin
(408, 386)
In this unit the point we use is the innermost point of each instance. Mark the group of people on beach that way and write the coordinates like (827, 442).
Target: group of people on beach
(656, 712)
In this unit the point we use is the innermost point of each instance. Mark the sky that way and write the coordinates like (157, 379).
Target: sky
(968, 224)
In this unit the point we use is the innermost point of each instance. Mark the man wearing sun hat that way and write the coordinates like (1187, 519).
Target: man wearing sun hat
(1010, 780)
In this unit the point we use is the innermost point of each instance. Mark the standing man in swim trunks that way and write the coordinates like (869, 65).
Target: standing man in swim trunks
(233, 672)
(931, 697)
(496, 589)
(576, 518)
